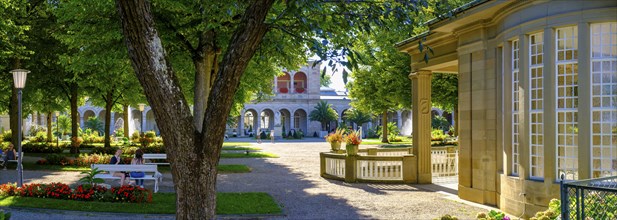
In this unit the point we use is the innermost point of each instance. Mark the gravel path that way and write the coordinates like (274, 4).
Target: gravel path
(294, 181)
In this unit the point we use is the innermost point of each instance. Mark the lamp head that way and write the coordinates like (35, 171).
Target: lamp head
(19, 77)
(57, 113)
(141, 107)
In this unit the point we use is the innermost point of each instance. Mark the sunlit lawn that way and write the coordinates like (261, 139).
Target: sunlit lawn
(162, 203)
(377, 141)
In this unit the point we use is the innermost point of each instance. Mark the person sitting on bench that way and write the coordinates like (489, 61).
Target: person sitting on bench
(117, 160)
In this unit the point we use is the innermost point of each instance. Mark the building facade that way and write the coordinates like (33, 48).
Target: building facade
(537, 96)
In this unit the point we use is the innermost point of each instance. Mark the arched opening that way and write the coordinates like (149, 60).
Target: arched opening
(300, 82)
(346, 123)
(407, 126)
(285, 120)
(249, 122)
(282, 83)
(300, 121)
(267, 120)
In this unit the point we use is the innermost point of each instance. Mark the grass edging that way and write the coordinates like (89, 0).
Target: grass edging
(162, 203)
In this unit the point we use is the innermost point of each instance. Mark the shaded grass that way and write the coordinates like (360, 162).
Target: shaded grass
(249, 155)
(223, 168)
(162, 203)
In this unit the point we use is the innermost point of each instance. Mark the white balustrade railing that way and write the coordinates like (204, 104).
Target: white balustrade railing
(392, 153)
(444, 163)
(335, 167)
(380, 170)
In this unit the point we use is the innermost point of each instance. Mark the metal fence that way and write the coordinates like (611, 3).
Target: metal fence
(589, 199)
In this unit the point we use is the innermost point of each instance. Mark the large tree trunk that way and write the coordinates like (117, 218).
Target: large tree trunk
(204, 66)
(109, 102)
(384, 127)
(125, 118)
(193, 155)
(49, 135)
(74, 117)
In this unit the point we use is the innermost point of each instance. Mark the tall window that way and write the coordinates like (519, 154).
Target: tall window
(536, 146)
(567, 102)
(515, 107)
(604, 98)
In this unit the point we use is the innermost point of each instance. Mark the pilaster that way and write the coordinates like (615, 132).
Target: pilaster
(421, 105)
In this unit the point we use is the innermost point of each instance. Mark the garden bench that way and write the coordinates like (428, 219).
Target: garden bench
(14, 161)
(149, 157)
(151, 172)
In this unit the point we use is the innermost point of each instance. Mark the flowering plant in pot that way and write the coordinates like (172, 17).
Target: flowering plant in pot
(335, 139)
(352, 140)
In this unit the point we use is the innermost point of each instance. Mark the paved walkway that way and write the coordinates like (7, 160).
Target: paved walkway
(294, 181)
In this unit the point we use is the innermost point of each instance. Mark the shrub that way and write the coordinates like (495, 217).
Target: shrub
(263, 135)
(7, 136)
(492, 215)
(89, 159)
(104, 150)
(56, 159)
(154, 148)
(440, 122)
(40, 136)
(553, 211)
(135, 136)
(86, 192)
(150, 134)
(437, 135)
(9, 189)
(5, 215)
(31, 147)
(447, 217)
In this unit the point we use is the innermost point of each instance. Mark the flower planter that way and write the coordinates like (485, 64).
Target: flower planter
(335, 146)
(352, 149)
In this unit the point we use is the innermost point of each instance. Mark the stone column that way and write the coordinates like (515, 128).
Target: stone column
(241, 125)
(292, 88)
(257, 127)
(143, 121)
(399, 120)
(421, 107)
(584, 103)
(292, 121)
(81, 121)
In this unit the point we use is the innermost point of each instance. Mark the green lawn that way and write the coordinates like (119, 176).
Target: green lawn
(223, 168)
(225, 144)
(162, 203)
(377, 141)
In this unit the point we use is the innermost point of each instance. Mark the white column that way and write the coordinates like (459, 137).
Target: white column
(258, 126)
(292, 121)
(81, 121)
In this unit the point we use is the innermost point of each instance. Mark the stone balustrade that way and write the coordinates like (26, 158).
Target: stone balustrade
(385, 165)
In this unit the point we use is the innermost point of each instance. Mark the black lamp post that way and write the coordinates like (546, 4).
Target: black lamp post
(57, 129)
(19, 79)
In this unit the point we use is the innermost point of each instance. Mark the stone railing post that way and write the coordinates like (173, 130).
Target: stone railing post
(372, 151)
(410, 169)
(322, 164)
(350, 168)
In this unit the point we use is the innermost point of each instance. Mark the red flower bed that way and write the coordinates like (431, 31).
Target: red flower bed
(130, 194)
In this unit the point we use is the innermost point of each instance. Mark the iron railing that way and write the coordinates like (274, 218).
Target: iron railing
(589, 199)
